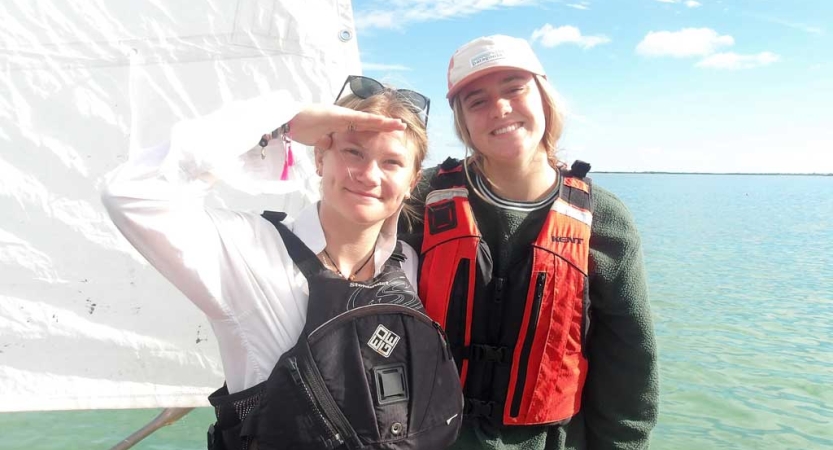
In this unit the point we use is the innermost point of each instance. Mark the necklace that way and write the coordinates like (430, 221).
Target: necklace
(351, 277)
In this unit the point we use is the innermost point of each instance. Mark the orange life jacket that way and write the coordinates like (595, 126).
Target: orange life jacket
(519, 364)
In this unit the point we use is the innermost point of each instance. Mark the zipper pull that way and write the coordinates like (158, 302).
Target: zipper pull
(295, 371)
(444, 337)
(500, 284)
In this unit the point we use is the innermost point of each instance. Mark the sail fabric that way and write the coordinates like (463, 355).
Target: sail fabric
(85, 322)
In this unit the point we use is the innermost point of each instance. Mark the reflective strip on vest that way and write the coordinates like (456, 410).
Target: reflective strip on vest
(445, 194)
(562, 207)
(576, 183)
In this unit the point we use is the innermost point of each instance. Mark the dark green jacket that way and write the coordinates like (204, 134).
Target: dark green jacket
(621, 395)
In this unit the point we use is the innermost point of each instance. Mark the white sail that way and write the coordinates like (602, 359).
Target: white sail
(85, 322)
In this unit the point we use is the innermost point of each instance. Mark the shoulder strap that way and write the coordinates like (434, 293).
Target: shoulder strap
(449, 174)
(579, 169)
(301, 255)
(397, 256)
(576, 186)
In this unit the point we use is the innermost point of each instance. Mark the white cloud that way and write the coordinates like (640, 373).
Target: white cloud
(395, 14)
(796, 25)
(734, 61)
(689, 3)
(376, 19)
(684, 43)
(581, 5)
(385, 67)
(549, 36)
(702, 42)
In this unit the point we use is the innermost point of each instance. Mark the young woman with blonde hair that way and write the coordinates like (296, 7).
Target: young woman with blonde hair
(535, 273)
(269, 285)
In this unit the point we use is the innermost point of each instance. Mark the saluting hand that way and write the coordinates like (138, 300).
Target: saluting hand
(315, 124)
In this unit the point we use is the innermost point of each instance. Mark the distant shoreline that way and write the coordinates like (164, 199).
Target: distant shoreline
(719, 173)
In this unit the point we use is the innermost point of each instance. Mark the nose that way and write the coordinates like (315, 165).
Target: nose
(369, 173)
(500, 107)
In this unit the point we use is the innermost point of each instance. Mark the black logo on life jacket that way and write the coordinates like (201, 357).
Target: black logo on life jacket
(442, 217)
(567, 239)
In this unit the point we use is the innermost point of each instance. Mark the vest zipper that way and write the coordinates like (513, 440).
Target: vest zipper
(523, 363)
(298, 377)
(446, 345)
(323, 397)
(457, 309)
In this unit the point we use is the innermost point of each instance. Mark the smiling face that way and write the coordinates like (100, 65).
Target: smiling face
(504, 115)
(365, 176)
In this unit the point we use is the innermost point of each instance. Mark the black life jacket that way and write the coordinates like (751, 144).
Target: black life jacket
(518, 337)
(369, 371)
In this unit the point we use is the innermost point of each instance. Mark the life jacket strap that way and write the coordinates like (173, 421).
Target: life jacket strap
(477, 409)
(214, 441)
(301, 255)
(398, 255)
(487, 353)
(579, 169)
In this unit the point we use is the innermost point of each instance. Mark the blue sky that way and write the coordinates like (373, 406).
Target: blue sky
(666, 85)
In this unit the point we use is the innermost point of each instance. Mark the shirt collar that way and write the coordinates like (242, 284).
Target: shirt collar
(307, 226)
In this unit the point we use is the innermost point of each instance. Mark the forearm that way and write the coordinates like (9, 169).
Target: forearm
(156, 199)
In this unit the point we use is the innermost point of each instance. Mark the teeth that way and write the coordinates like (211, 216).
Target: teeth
(506, 129)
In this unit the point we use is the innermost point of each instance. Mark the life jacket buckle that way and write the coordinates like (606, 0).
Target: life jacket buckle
(500, 285)
(478, 408)
(212, 439)
(487, 353)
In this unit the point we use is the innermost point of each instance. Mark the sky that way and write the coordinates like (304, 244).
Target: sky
(647, 85)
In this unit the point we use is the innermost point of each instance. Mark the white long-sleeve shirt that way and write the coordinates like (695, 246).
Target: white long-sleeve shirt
(232, 265)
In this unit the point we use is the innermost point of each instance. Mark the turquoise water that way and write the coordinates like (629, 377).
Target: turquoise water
(741, 279)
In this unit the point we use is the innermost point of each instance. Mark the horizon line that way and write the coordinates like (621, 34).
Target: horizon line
(661, 172)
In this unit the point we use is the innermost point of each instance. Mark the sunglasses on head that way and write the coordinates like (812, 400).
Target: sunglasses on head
(364, 87)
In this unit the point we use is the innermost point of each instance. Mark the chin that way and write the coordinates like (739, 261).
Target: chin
(364, 217)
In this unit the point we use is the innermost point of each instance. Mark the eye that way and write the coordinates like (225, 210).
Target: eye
(476, 103)
(394, 162)
(517, 89)
(351, 153)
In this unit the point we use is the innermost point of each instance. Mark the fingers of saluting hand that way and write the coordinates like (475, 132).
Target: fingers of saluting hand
(362, 121)
(316, 122)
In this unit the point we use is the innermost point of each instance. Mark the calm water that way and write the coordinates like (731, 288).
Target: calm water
(741, 278)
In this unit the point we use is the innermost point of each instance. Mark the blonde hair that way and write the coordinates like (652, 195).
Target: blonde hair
(389, 104)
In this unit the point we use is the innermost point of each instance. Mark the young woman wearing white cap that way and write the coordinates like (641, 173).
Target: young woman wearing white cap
(536, 275)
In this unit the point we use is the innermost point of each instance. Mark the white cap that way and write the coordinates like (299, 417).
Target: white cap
(489, 54)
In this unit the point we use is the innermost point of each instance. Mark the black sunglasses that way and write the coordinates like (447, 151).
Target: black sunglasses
(364, 87)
